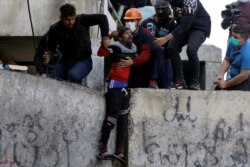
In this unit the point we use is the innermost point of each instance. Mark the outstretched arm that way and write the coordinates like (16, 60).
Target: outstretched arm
(223, 69)
(96, 19)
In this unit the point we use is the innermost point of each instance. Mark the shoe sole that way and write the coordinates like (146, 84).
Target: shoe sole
(194, 89)
(119, 159)
(180, 87)
(106, 157)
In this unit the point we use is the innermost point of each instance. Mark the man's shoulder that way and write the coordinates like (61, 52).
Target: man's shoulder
(54, 26)
(144, 35)
(144, 32)
(246, 47)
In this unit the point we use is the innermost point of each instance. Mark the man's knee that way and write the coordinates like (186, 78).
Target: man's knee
(73, 77)
(109, 123)
(157, 53)
(191, 53)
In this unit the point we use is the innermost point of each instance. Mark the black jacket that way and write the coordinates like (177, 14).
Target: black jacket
(38, 58)
(194, 17)
(74, 43)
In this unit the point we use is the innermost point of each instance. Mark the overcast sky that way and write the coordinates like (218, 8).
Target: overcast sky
(218, 35)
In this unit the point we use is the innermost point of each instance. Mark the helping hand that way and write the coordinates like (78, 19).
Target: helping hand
(222, 84)
(126, 62)
(106, 42)
(46, 57)
(163, 40)
(218, 79)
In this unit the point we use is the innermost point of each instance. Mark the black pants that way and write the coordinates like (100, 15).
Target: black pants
(117, 108)
(193, 39)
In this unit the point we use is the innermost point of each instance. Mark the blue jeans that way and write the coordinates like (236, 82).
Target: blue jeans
(161, 68)
(166, 81)
(73, 71)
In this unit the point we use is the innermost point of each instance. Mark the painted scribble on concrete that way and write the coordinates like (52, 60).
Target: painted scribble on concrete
(187, 132)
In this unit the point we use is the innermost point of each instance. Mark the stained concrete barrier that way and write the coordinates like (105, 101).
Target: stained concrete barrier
(189, 129)
(44, 122)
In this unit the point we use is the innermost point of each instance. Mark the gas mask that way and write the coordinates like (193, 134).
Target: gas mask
(131, 26)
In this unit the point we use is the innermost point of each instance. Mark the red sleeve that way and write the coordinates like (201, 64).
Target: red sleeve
(102, 51)
(144, 56)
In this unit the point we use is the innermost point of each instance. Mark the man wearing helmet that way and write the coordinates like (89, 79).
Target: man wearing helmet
(160, 25)
(194, 27)
(148, 65)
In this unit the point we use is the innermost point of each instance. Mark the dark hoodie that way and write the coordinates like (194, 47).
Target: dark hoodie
(194, 17)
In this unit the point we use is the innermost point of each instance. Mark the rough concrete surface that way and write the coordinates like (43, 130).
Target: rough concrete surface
(189, 129)
(206, 53)
(48, 123)
(95, 79)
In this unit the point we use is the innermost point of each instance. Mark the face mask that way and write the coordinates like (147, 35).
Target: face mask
(235, 42)
(131, 26)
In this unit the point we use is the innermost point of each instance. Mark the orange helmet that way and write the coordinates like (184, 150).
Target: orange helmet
(132, 14)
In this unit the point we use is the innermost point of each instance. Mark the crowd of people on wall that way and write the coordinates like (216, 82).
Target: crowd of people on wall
(144, 53)
(160, 29)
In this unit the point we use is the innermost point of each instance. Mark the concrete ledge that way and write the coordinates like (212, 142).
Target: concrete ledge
(206, 53)
(45, 122)
(189, 128)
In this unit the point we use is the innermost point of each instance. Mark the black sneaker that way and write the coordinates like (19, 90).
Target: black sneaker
(180, 85)
(195, 85)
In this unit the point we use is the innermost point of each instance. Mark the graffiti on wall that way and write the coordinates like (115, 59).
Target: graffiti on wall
(35, 141)
(226, 144)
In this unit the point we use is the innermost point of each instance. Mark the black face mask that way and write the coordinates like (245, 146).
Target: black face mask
(162, 13)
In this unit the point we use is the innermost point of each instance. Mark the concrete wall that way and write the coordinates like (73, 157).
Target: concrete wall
(189, 129)
(45, 122)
